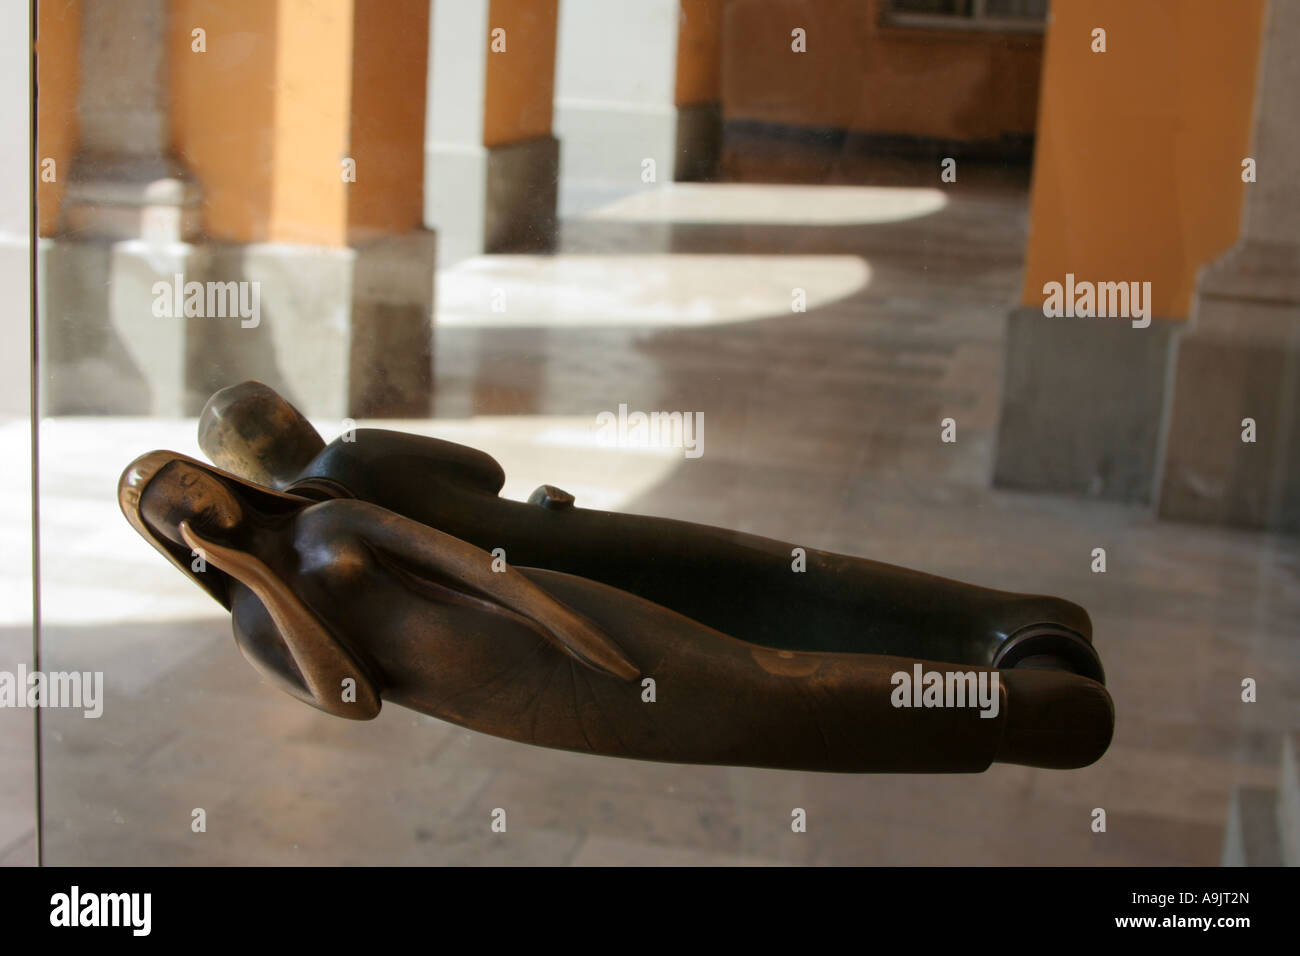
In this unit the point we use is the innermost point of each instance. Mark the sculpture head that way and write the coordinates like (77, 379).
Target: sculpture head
(162, 491)
(189, 510)
(183, 493)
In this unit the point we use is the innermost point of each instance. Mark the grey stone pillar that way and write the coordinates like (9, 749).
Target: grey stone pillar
(123, 183)
(127, 219)
(1081, 405)
(1240, 357)
(343, 332)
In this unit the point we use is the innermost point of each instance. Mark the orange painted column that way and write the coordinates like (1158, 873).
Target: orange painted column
(58, 43)
(1144, 120)
(390, 62)
(699, 52)
(519, 90)
(491, 159)
(1137, 165)
(302, 119)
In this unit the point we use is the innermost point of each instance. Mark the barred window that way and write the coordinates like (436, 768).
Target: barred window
(968, 14)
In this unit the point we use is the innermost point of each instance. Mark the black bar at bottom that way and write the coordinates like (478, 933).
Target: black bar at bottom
(579, 907)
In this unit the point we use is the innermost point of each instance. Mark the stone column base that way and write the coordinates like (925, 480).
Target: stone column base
(101, 349)
(699, 142)
(492, 199)
(127, 197)
(1081, 405)
(1239, 359)
(522, 187)
(340, 332)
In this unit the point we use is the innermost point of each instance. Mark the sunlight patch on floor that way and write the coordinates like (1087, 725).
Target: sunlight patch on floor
(769, 204)
(679, 290)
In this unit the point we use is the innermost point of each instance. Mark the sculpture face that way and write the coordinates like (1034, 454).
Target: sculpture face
(161, 493)
(185, 493)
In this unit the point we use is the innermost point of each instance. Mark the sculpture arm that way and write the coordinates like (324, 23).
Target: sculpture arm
(320, 659)
(436, 556)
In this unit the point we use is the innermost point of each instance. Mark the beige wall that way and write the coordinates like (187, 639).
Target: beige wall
(862, 76)
(1137, 172)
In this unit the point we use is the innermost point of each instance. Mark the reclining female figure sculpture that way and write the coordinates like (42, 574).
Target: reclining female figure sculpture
(364, 573)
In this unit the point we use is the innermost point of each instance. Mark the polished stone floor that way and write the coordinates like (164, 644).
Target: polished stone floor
(822, 427)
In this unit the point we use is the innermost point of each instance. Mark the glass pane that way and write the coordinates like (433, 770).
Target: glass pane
(17, 646)
(811, 288)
